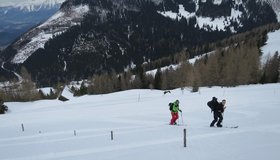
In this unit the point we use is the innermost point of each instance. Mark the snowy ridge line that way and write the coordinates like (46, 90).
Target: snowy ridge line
(127, 100)
(55, 25)
(29, 5)
(109, 102)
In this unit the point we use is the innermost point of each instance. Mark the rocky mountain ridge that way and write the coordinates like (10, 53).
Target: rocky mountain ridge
(17, 17)
(28, 5)
(116, 35)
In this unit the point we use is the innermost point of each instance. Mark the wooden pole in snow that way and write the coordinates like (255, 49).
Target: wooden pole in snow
(112, 135)
(22, 127)
(185, 137)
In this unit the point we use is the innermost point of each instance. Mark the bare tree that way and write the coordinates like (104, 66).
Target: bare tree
(27, 90)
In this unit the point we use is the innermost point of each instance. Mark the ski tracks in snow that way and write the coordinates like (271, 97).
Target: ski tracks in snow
(123, 141)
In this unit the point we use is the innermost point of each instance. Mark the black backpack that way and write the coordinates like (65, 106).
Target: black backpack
(210, 105)
(213, 103)
(170, 106)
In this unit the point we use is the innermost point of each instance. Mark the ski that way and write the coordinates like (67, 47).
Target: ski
(231, 126)
(226, 127)
(177, 125)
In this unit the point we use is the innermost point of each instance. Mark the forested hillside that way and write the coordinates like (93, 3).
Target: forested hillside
(118, 35)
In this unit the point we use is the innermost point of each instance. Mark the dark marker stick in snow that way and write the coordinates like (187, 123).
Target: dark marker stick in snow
(185, 137)
(22, 127)
(112, 135)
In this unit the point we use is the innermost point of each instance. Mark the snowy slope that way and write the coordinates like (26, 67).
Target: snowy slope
(272, 46)
(17, 17)
(138, 119)
(55, 25)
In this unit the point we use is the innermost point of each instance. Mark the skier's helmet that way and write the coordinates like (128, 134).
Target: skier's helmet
(177, 101)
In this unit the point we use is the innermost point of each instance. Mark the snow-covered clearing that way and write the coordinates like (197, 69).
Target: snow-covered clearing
(138, 119)
(214, 23)
(272, 46)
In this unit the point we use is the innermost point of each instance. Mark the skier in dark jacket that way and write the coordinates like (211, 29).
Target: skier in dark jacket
(213, 103)
(174, 112)
(218, 110)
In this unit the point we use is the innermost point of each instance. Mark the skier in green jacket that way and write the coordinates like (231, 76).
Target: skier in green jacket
(174, 112)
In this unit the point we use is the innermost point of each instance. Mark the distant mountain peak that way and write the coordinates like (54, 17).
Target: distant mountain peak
(61, 21)
(30, 5)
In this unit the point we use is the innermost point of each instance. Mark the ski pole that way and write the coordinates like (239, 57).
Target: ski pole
(182, 118)
(224, 115)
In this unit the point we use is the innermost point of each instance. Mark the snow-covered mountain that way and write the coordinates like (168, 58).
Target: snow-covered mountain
(29, 5)
(54, 26)
(42, 37)
(89, 36)
(17, 17)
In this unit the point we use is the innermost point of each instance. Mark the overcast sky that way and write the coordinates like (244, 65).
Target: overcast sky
(4, 3)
